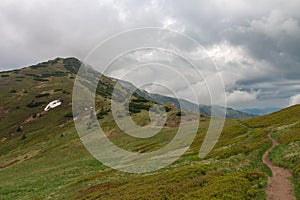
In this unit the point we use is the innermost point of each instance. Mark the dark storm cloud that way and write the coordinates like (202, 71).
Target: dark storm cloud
(256, 44)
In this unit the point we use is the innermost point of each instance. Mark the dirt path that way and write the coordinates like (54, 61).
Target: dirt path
(279, 186)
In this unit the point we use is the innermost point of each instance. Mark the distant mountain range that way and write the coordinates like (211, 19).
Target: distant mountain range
(187, 105)
(261, 111)
(203, 109)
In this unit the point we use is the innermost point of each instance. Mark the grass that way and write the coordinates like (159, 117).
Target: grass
(51, 161)
(285, 128)
(287, 156)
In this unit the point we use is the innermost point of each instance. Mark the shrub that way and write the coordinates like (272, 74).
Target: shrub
(168, 109)
(179, 114)
(140, 100)
(57, 90)
(102, 113)
(42, 95)
(227, 187)
(19, 129)
(40, 65)
(33, 75)
(34, 115)
(69, 115)
(57, 74)
(13, 91)
(40, 79)
(4, 75)
(139, 106)
(34, 104)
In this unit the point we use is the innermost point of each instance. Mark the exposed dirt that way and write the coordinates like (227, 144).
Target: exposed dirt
(279, 187)
(3, 112)
(29, 119)
(18, 159)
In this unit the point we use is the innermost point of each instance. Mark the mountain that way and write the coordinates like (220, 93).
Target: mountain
(26, 92)
(260, 111)
(187, 105)
(42, 156)
(203, 109)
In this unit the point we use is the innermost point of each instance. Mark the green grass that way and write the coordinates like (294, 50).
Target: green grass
(285, 129)
(51, 161)
(287, 156)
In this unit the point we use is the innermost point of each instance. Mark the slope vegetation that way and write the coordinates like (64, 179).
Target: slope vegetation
(43, 157)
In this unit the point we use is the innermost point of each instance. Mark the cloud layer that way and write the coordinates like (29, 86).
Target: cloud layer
(256, 45)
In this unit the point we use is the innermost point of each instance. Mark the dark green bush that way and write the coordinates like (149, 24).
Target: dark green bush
(69, 115)
(179, 114)
(140, 100)
(23, 137)
(19, 129)
(42, 95)
(40, 65)
(168, 109)
(33, 75)
(40, 79)
(137, 107)
(34, 115)
(34, 104)
(57, 90)
(4, 75)
(57, 74)
(102, 113)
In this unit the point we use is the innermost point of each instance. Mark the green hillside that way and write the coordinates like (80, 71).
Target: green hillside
(42, 156)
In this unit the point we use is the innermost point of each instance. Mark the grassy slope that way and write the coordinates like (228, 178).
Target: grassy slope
(285, 127)
(51, 161)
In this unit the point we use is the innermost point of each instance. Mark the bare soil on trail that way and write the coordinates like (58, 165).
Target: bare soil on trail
(279, 186)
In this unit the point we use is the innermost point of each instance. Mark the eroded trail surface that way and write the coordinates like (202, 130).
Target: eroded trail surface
(279, 186)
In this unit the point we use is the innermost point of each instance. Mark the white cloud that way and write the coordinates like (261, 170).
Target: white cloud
(295, 100)
(255, 44)
(236, 64)
(238, 96)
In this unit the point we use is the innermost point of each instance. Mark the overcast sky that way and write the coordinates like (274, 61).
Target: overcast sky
(256, 44)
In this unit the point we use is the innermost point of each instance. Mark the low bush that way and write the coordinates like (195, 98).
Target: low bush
(137, 107)
(69, 115)
(41, 79)
(40, 65)
(34, 104)
(4, 75)
(42, 95)
(57, 90)
(19, 129)
(140, 100)
(102, 113)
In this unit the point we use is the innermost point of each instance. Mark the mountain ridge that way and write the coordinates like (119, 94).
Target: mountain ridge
(43, 157)
(72, 65)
